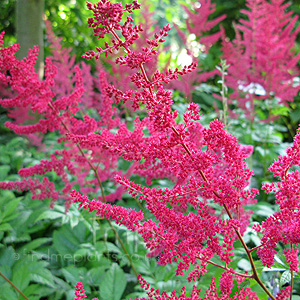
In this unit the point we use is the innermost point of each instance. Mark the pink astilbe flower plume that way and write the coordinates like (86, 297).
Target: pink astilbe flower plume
(57, 99)
(198, 24)
(211, 294)
(262, 57)
(208, 165)
(80, 292)
(284, 226)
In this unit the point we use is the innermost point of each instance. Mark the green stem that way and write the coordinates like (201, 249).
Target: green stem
(292, 279)
(288, 125)
(227, 269)
(94, 169)
(103, 197)
(123, 247)
(6, 279)
(292, 284)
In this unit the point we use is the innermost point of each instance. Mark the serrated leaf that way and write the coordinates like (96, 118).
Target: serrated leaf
(10, 209)
(6, 271)
(7, 292)
(95, 275)
(245, 283)
(36, 290)
(34, 245)
(62, 284)
(42, 276)
(21, 277)
(107, 247)
(70, 276)
(65, 241)
(73, 275)
(113, 284)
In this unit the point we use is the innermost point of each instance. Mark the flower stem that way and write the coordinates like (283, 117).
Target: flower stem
(94, 169)
(123, 247)
(227, 269)
(292, 284)
(6, 279)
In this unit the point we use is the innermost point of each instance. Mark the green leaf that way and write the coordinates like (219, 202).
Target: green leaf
(73, 275)
(34, 245)
(6, 271)
(5, 227)
(266, 269)
(113, 283)
(295, 115)
(107, 247)
(264, 210)
(10, 209)
(5, 197)
(7, 292)
(255, 239)
(36, 291)
(49, 214)
(65, 242)
(4, 157)
(8, 256)
(42, 276)
(244, 264)
(74, 220)
(277, 259)
(280, 111)
(4, 171)
(245, 283)
(21, 276)
(70, 276)
(95, 275)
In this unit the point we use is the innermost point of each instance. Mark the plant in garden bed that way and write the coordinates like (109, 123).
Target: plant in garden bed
(262, 77)
(200, 220)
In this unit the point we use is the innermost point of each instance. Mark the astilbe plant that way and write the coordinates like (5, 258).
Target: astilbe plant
(63, 93)
(204, 214)
(208, 164)
(262, 56)
(198, 24)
